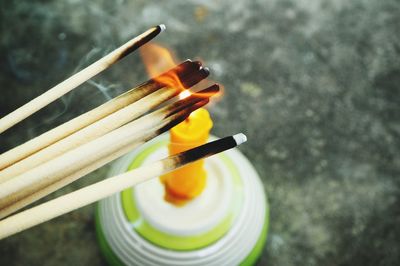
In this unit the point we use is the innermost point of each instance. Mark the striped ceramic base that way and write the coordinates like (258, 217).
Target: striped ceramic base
(226, 225)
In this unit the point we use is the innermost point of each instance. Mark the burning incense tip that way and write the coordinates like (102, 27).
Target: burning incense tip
(162, 27)
(240, 138)
(184, 94)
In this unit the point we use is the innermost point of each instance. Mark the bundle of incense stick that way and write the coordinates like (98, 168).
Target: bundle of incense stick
(69, 151)
(134, 107)
(29, 186)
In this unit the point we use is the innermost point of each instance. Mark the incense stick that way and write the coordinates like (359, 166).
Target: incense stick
(77, 79)
(53, 170)
(167, 124)
(105, 188)
(100, 127)
(20, 152)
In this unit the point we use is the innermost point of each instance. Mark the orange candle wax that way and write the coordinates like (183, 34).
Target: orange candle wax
(189, 181)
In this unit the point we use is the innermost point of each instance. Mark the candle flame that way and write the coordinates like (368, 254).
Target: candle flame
(158, 60)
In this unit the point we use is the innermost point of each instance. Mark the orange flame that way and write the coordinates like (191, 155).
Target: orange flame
(159, 59)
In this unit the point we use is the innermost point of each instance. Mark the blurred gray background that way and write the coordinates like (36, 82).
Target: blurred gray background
(314, 84)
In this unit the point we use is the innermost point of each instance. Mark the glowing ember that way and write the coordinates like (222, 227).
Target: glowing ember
(184, 94)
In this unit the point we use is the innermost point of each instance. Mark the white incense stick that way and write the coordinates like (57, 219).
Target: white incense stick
(77, 79)
(105, 188)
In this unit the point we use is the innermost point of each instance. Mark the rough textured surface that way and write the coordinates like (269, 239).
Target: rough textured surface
(314, 85)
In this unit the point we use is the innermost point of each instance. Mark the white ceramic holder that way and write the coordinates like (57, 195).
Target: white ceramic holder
(226, 225)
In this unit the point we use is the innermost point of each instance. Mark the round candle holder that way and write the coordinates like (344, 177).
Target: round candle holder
(226, 225)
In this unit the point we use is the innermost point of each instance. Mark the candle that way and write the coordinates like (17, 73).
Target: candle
(189, 181)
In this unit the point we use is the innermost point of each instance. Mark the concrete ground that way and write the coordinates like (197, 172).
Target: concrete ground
(314, 84)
